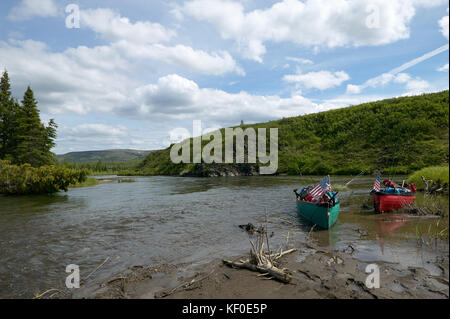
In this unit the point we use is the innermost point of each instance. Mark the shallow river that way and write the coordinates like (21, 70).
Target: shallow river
(183, 220)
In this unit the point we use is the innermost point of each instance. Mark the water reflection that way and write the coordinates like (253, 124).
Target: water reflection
(388, 224)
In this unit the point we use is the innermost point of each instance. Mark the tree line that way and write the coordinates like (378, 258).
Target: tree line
(27, 164)
(23, 137)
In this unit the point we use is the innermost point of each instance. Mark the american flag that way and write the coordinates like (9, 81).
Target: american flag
(376, 185)
(320, 188)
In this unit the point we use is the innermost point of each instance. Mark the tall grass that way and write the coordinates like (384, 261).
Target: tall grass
(432, 235)
(433, 172)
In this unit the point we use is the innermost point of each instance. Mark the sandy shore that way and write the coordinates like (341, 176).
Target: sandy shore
(316, 273)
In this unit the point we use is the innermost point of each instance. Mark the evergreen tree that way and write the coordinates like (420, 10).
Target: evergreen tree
(8, 115)
(34, 140)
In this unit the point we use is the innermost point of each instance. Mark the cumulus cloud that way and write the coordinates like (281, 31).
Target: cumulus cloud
(176, 98)
(317, 23)
(28, 9)
(171, 94)
(443, 68)
(215, 63)
(413, 85)
(65, 81)
(142, 40)
(443, 23)
(320, 80)
(87, 67)
(113, 27)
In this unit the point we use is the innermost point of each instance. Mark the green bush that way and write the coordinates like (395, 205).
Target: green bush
(87, 183)
(433, 172)
(25, 179)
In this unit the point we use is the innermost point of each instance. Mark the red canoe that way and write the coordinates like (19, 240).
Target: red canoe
(385, 202)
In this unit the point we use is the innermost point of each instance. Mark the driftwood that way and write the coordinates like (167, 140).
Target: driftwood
(431, 206)
(263, 262)
(435, 188)
(185, 285)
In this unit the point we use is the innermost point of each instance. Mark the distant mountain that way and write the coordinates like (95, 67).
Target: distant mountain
(104, 156)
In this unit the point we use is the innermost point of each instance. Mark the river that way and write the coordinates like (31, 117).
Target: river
(175, 220)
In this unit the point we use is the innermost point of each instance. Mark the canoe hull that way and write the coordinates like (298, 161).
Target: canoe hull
(388, 202)
(324, 217)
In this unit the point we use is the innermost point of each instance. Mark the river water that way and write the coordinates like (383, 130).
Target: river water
(175, 220)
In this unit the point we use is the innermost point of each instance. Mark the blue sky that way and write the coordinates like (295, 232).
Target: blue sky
(136, 71)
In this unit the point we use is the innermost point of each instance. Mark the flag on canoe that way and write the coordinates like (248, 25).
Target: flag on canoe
(320, 188)
(376, 185)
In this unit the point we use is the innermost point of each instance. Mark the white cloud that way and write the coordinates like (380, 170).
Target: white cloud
(412, 85)
(102, 57)
(443, 23)
(89, 130)
(28, 9)
(316, 23)
(346, 100)
(321, 80)
(142, 40)
(215, 63)
(171, 94)
(96, 136)
(389, 76)
(353, 89)
(443, 68)
(114, 27)
(65, 81)
(299, 60)
(176, 98)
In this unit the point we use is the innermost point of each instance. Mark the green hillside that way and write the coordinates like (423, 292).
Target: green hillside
(103, 156)
(399, 135)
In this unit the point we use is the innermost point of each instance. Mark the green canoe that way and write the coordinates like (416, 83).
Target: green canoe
(320, 215)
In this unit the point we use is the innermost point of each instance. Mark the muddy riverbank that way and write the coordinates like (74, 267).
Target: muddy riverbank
(316, 273)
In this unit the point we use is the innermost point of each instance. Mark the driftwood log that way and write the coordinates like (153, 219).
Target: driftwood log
(435, 188)
(262, 261)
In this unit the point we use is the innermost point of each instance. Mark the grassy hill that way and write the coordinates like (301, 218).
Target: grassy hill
(104, 156)
(399, 134)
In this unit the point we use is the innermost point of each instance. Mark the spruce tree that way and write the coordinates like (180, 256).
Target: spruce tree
(34, 140)
(8, 116)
